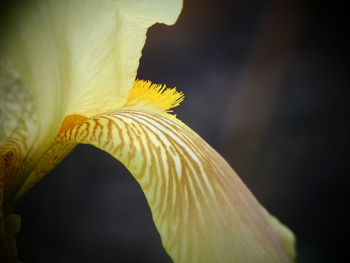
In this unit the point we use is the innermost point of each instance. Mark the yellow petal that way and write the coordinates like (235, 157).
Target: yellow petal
(66, 56)
(78, 56)
(202, 210)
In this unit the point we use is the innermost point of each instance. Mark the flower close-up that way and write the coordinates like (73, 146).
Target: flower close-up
(68, 76)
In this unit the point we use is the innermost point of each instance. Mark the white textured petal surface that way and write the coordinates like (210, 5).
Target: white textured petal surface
(201, 208)
(19, 130)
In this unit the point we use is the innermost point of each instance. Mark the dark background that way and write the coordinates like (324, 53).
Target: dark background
(265, 85)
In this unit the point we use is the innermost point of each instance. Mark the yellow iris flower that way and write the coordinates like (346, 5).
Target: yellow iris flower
(67, 76)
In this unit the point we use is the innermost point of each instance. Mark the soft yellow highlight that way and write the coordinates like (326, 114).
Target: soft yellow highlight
(154, 96)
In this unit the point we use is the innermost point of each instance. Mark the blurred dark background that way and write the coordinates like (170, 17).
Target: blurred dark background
(265, 85)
